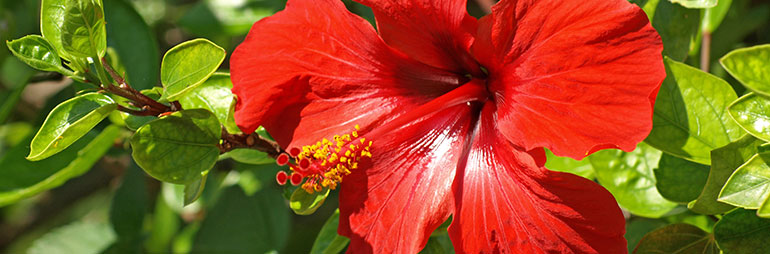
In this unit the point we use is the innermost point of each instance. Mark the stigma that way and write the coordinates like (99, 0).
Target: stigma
(323, 165)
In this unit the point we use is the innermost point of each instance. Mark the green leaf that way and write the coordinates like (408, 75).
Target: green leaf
(741, 231)
(80, 237)
(712, 17)
(134, 42)
(248, 156)
(304, 203)
(328, 241)
(690, 117)
(569, 165)
(17, 84)
(696, 3)
(69, 121)
(128, 208)
(638, 227)
(629, 177)
(764, 210)
(677, 26)
(194, 189)
(36, 52)
(725, 160)
(680, 180)
(677, 238)
(83, 33)
(187, 65)
(215, 95)
(752, 113)
(20, 178)
(179, 147)
(750, 67)
(211, 18)
(244, 224)
(438, 244)
(749, 186)
(52, 14)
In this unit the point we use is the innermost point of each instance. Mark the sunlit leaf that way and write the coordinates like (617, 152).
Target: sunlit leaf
(187, 65)
(750, 67)
(214, 95)
(749, 185)
(696, 3)
(725, 160)
(83, 33)
(752, 113)
(304, 203)
(36, 52)
(690, 117)
(69, 121)
(630, 178)
(565, 164)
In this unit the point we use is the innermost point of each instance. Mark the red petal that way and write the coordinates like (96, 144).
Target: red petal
(436, 32)
(405, 191)
(505, 203)
(572, 76)
(315, 70)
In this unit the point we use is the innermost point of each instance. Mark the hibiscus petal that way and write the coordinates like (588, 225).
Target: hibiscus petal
(572, 76)
(315, 70)
(404, 193)
(436, 32)
(505, 203)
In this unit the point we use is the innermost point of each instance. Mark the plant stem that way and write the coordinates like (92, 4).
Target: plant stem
(250, 141)
(705, 51)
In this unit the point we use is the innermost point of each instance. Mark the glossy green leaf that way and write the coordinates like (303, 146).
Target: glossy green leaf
(712, 17)
(630, 178)
(741, 231)
(677, 238)
(20, 178)
(680, 180)
(187, 65)
(83, 33)
(750, 67)
(36, 52)
(690, 117)
(179, 147)
(752, 113)
(134, 42)
(69, 121)
(725, 160)
(696, 3)
(215, 95)
(764, 209)
(328, 241)
(438, 244)
(80, 237)
(565, 164)
(677, 25)
(244, 224)
(128, 209)
(194, 189)
(304, 203)
(749, 186)
(52, 14)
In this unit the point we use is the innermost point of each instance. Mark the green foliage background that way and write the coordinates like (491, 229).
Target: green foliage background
(678, 188)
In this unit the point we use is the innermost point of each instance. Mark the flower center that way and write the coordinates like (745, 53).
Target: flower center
(324, 164)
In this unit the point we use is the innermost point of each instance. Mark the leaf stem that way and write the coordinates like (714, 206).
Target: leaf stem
(705, 51)
(250, 141)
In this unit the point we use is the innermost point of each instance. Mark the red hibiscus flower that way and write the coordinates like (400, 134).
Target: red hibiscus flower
(458, 112)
